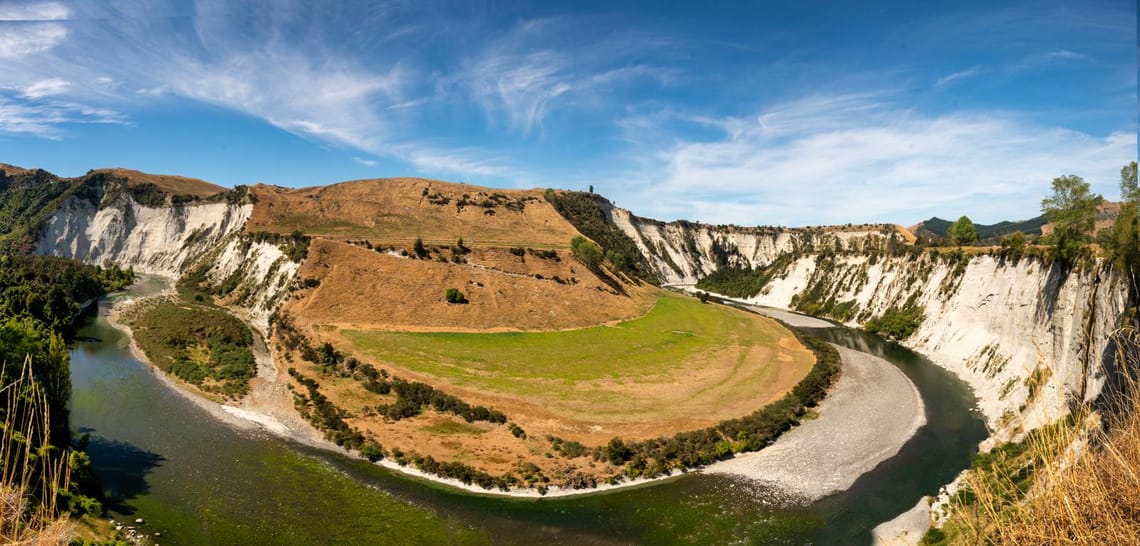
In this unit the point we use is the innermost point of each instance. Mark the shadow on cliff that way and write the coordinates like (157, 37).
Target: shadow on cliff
(1047, 304)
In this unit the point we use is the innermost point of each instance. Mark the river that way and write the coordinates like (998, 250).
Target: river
(196, 480)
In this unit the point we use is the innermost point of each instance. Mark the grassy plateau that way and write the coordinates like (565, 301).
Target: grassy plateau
(680, 360)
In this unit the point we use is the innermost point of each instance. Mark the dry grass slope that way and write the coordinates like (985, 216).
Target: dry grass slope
(30, 480)
(398, 210)
(1083, 487)
(365, 289)
(174, 185)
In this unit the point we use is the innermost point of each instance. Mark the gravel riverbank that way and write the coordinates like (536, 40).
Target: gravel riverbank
(871, 412)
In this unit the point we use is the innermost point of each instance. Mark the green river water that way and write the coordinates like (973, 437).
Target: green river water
(198, 481)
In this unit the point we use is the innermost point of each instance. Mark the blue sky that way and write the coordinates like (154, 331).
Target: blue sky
(790, 113)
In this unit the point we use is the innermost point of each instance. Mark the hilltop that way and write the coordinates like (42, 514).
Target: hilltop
(399, 210)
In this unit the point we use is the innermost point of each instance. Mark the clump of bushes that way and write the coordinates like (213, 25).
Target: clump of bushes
(584, 212)
(200, 344)
(453, 295)
(898, 322)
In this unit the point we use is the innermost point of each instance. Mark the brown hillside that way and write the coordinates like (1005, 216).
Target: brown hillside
(367, 289)
(1106, 216)
(174, 185)
(397, 210)
(12, 169)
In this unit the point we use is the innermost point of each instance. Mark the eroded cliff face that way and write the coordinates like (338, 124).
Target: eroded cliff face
(163, 240)
(1029, 337)
(203, 239)
(683, 252)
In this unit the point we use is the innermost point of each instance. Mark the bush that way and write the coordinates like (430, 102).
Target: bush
(453, 295)
(897, 322)
(587, 252)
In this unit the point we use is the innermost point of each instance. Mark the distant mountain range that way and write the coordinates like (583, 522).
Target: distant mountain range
(1033, 226)
(938, 226)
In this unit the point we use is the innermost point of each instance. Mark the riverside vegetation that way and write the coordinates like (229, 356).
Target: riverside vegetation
(42, 464)
(197, 343)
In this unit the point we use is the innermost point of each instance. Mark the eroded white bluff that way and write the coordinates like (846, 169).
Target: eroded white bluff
(171, 240)
(1027, 336)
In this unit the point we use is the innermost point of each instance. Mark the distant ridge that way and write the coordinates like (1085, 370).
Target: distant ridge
(938, 226)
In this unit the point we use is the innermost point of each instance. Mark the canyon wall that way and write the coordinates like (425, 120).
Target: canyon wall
(204, 239)
(1029, 336)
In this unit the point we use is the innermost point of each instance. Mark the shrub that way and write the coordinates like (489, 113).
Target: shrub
(453, 295)
(897, 322)
(586, 252)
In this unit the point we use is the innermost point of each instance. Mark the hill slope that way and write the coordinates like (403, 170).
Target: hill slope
(938, 226)
(398, 210)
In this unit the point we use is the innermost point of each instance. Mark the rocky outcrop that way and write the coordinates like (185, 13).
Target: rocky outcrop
(1030, 337)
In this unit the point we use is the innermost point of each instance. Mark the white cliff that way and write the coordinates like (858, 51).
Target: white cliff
(172, 240)
(161, 240)
(1029, 337)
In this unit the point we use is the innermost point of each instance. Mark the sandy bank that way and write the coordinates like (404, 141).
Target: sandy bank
(788, 317)
(871, 412)
(905, 530)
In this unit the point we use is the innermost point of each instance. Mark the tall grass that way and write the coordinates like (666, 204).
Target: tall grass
(1072, 483)
(33, 472)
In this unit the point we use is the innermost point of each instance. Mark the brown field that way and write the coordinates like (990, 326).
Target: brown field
(174, 185)
(361, 288)
(398, 210)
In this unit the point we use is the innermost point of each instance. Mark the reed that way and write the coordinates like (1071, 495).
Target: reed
(1076, 482)
(32, 471)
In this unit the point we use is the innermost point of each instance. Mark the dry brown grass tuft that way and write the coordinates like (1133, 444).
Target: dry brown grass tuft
(32, 472)
(1073, 483)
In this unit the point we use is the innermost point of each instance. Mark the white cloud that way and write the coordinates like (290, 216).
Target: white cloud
(45, 88)
(27, 29)
(365, 162)
(45, 11)
(958, 76)
(854, 158)
(461, 161)
(44, 119)
(526, 74)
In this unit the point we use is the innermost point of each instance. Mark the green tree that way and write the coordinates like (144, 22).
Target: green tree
(1072, 210)
(418, 248)
(1129, 193)
(617, 259)
(1013, 246)
(1123, 240)
(963, 232)
(587, 252)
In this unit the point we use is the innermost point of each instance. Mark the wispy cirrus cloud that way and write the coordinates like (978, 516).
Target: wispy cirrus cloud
(958, 76)
(863, 157)
(522, 76)
(50, 119)
(46, 88)
(27, 29)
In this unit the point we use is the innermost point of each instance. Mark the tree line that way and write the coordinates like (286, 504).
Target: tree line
(40, 297)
